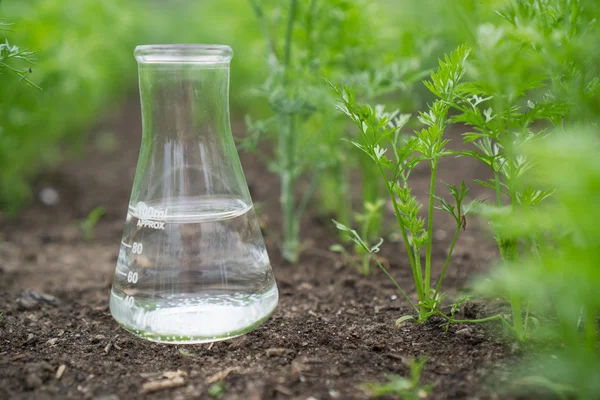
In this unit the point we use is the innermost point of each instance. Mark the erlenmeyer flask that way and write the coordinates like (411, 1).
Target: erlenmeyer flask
(192, 266)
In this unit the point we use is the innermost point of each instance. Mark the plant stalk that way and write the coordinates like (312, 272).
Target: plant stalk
(454, 239)
(411, 257)
(427, 288)
(509, 252)
(287, 156)
(290, 220)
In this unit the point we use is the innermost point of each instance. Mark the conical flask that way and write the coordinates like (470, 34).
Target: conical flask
(192, 266)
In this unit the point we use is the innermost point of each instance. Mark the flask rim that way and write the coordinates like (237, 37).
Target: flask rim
(183, 53)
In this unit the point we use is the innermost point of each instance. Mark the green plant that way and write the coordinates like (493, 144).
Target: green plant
(306, 41)
(526, 80)
(9, 53)
(84, 63)
(186, 353)
(369, 223)
(379, 132)
(559, 279)
(89, 224)
(217, 390)
(408, 388)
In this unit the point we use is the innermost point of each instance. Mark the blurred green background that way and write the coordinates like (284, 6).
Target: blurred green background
(84, 63)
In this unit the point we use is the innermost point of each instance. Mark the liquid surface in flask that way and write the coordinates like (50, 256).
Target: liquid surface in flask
(191, 272)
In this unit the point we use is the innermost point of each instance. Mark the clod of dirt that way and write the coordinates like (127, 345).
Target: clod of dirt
(31, 300)
(36, 374)
(32, 381)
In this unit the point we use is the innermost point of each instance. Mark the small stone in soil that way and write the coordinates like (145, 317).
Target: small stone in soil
(97, 338)
(31, 300)
(465, 332)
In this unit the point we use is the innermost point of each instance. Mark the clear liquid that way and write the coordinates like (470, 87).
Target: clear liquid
(192, 272)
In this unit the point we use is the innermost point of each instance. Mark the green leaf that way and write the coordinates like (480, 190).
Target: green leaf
(337, 248)
(404, 319)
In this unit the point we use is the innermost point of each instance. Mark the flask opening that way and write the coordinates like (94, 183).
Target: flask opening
(183, 53)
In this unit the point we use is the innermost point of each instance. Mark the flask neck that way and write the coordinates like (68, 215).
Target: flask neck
(187, 150)
(184, 91)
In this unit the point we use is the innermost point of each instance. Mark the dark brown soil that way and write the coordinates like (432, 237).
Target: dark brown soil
(333, 329)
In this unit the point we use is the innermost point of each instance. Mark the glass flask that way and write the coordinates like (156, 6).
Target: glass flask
(192, 266)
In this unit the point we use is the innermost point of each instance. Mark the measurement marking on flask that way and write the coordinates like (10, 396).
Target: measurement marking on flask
(137, 248)
(121, 273)
(146, 223)
(125, 244)
(132, 277)
(128, 300)
(150, 217)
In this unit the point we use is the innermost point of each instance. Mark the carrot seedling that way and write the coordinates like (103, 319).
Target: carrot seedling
(379, 133)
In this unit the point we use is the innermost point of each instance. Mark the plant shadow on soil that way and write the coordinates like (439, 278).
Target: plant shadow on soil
(332, 330)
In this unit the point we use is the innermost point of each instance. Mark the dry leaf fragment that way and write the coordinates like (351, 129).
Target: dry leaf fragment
(60, 371)
(219, 376)
(283, 390)
(174, 374)
(276, 352)
(162, 384)
(164, 380)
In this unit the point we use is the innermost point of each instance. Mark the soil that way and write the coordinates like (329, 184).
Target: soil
(332, 331)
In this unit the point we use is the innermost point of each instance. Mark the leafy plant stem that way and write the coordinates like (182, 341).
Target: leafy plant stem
(427, 288)
(515, 305)
(288, 157)
(366, 265)
(450, 251)
(290, 236)
(398, 213)
(509, 252)
(473, 321)
(288, 35)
